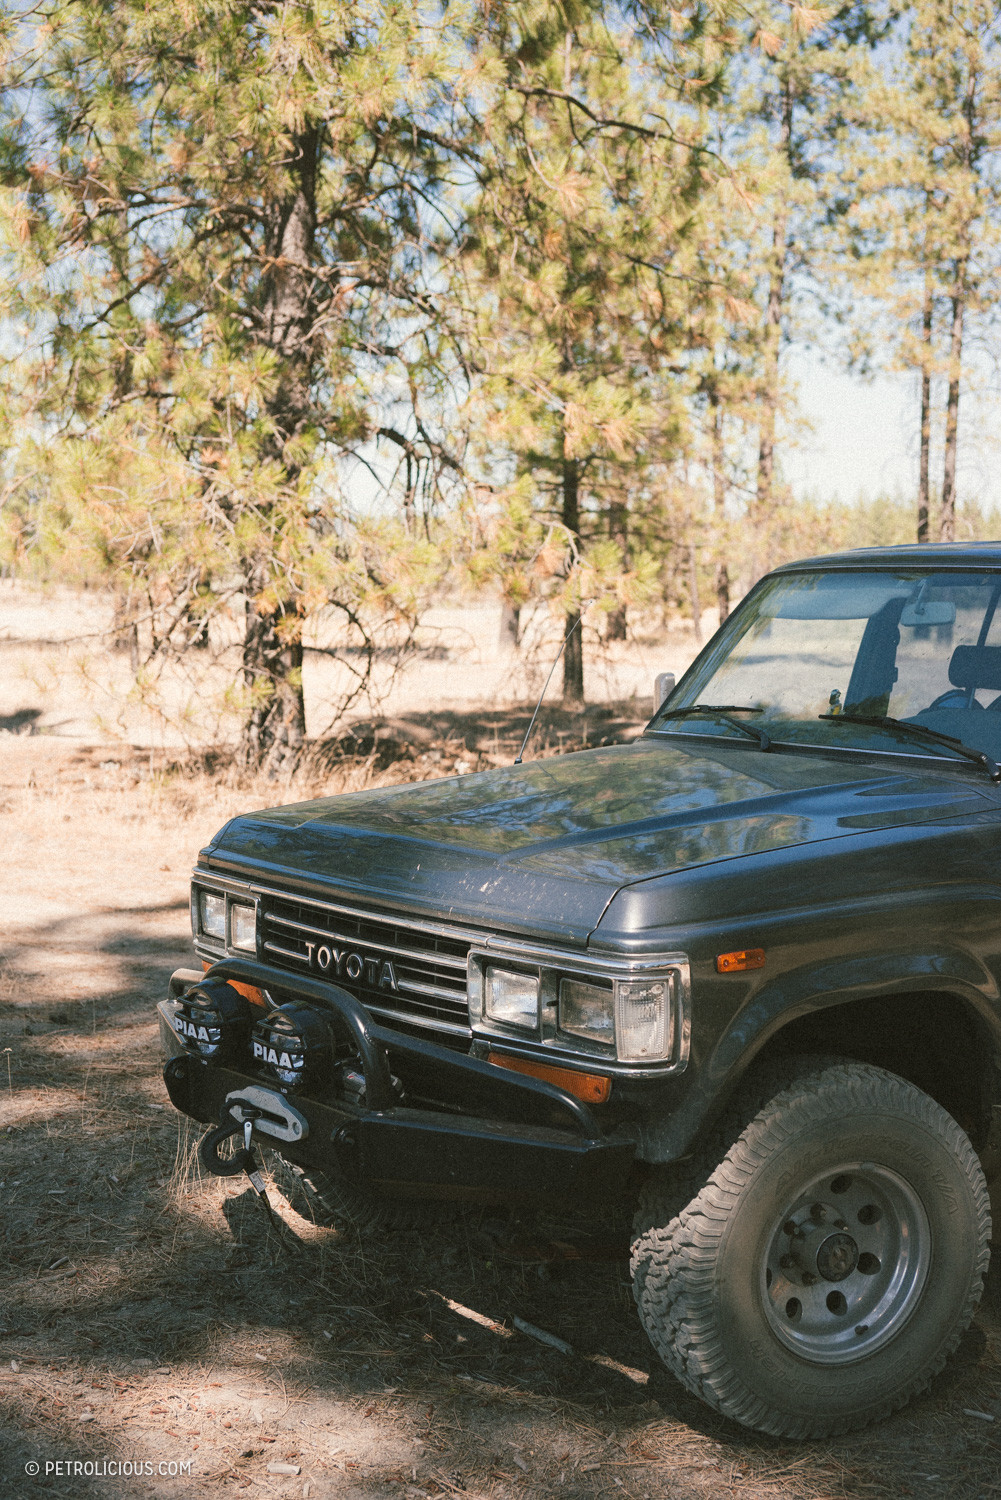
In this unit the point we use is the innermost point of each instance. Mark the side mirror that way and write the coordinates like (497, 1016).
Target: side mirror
(663, 687)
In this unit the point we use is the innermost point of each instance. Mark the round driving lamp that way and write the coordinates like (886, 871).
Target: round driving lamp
(213, 1020)
(293, 1044)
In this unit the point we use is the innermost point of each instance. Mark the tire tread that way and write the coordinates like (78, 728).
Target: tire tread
(675, 1240)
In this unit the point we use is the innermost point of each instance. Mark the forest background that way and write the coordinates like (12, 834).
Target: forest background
(324, 313)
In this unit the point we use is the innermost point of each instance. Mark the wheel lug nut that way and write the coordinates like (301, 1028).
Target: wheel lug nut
(787, 1262)
(808, 1278)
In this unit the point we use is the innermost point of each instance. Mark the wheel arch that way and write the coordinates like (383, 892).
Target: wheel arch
(943, 1038)
(940, 1040)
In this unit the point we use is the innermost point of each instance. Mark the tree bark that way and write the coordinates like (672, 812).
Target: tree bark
(773, 330)
(923, 463)
(618, 530)
(510, 625)
(693, 594)
(125, 632)
(719, 503)
(947, 515)
(573, 654)
(275, 731)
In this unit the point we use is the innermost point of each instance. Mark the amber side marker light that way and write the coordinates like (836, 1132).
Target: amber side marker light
(591, 1087)
(249, 991)
(744, 958)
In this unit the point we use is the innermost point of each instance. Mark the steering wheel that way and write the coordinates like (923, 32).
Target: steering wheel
(956, 698)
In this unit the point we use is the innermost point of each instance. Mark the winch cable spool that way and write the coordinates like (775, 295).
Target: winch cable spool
(240, 1161)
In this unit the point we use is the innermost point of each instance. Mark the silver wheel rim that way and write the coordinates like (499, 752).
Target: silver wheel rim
(846, 1263)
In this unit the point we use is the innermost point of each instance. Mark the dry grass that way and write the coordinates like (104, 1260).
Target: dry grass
(151, 1315)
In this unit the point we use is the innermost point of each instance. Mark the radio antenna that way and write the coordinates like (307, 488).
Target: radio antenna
(552, 669)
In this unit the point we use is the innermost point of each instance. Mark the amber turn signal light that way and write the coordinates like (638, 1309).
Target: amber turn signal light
(591, 1087)
(248, 991)
(744, 958)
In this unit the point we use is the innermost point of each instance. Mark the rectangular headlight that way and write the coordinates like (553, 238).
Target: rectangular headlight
(212, 915)
(587, 1010)
(512, 999)
(644, 1019)
(243, 927)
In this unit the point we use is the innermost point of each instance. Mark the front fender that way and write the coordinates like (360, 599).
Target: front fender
(804, 988)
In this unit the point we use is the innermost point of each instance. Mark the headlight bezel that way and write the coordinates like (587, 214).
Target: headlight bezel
(574, 994)
(234, 921)
(503, 1011)
(219, 936)
(211, 927)
(621, 1044)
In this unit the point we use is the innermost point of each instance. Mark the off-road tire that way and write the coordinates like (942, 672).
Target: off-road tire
(699, 1271)
(334, 1203)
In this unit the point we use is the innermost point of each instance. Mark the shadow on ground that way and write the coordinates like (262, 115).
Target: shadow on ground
(151, 1316)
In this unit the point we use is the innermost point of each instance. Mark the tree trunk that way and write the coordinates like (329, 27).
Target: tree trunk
(773, 331)
(125, 631)
(719, 503)
(770, 383)
(923, 464)
(510, 626)
(618, 530)
(573, 654)
(275, 731)
(272, 660)
(947, 516)
(693, 594)
(974, 132)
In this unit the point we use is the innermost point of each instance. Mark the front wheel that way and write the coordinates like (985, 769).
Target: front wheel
(829, 1264)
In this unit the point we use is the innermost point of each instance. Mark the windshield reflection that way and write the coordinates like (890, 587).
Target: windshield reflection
(806, 649)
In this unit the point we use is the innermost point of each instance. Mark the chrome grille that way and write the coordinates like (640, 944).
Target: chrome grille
(408, 971)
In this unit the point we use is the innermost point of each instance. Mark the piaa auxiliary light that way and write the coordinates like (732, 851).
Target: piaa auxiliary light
(293, 1044)
(213, 1020)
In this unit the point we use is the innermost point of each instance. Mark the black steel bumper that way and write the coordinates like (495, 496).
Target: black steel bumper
(478, 1131)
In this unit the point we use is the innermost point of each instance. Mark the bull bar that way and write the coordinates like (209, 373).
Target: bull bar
(505, 1135)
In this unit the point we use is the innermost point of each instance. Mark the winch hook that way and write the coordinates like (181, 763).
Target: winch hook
(240, 1161)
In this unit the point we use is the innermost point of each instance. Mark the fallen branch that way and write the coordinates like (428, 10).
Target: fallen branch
(542, 1336)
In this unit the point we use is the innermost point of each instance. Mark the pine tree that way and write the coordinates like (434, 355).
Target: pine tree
(224, 225)
(778, 123)
(922, 209)
(581, 254)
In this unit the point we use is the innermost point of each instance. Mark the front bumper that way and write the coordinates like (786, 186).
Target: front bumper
(463, 1129)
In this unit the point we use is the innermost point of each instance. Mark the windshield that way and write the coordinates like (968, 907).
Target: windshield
(808, 649)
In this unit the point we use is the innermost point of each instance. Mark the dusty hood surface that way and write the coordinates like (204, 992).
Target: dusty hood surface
(542, 848)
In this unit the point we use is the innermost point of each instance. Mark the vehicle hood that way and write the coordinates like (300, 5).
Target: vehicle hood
(542, 848)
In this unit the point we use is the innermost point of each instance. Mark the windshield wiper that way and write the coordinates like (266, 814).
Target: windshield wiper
(722, 713)
(884, 721)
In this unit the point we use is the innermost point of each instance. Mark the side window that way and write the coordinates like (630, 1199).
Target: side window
(925, 651)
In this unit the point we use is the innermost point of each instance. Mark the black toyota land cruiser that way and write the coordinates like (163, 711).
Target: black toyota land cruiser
(745, 969)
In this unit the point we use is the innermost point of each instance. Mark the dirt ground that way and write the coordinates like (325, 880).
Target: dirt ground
(150, 1317)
